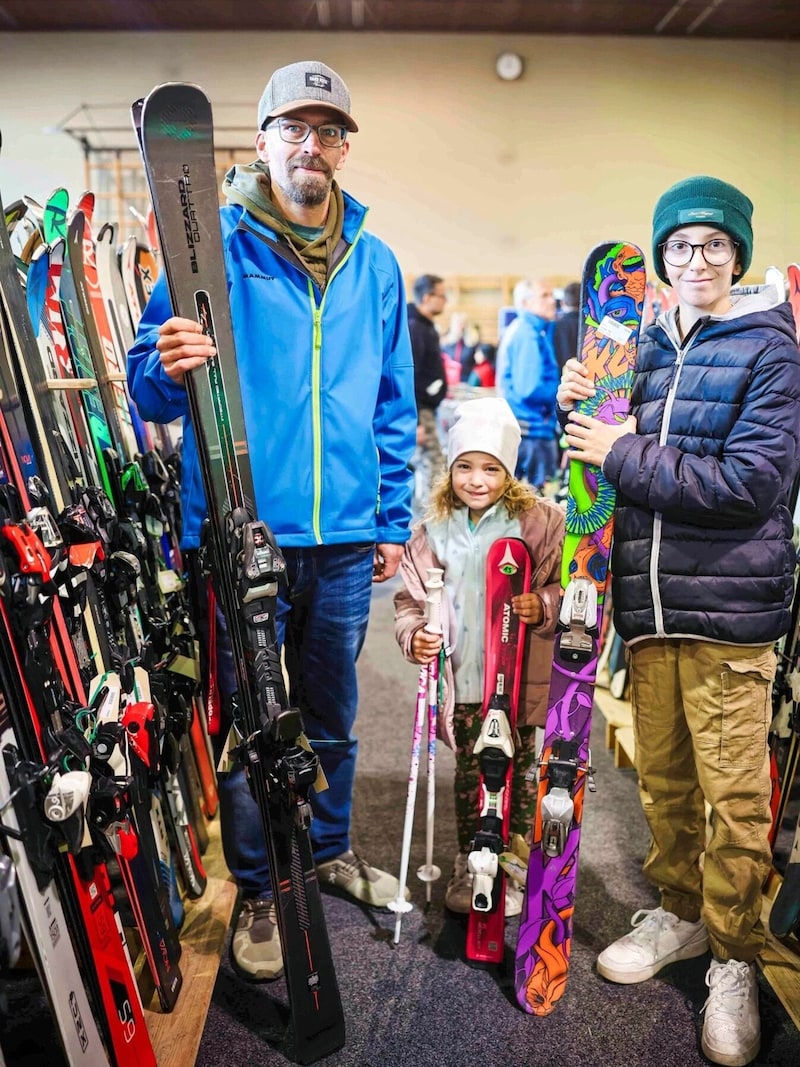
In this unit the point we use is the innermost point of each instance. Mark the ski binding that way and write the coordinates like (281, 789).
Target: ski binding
(495, 749)
(578, 620)
(562, 771)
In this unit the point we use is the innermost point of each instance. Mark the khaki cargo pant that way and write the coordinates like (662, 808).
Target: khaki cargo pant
(700, 719)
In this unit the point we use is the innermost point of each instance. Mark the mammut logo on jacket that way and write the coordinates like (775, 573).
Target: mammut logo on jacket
(261, 277)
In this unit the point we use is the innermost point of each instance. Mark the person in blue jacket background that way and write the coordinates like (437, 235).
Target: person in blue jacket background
(703, 571)
(327, 379)
(527, 376)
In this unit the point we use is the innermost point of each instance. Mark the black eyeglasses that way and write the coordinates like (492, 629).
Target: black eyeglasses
(295, 131)
(716, 252)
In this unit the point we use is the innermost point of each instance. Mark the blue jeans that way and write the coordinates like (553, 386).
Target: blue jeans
(537, 460)
(321, 623)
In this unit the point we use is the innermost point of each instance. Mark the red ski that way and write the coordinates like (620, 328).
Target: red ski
(508, 573)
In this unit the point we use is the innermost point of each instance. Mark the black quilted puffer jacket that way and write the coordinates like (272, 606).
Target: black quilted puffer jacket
(703, 533)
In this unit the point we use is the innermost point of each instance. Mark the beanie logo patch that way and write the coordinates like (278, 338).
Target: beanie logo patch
(318, 81)
(701, 214)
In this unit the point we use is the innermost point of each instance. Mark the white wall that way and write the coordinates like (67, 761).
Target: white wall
(464, 173)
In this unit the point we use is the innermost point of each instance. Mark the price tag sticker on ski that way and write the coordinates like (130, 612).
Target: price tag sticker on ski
(614, 329)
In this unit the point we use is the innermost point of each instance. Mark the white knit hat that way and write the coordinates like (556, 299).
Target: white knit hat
(485, 425)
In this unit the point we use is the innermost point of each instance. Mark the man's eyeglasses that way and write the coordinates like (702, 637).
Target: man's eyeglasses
(716, 252)
(294, 131)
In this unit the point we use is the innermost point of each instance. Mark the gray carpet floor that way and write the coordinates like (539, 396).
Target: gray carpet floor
(421, 1003)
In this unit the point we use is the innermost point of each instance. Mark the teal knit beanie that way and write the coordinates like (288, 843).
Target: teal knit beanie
(704, 201)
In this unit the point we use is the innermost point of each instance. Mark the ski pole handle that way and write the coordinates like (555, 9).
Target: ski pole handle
(433, 601)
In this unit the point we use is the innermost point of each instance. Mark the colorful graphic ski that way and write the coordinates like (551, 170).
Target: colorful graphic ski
(508, 573)
(613, 290)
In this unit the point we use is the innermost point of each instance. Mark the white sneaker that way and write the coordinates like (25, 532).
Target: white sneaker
(658, 938)
(731, 1027)
(514, 895)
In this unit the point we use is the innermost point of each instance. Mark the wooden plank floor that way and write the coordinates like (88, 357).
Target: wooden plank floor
(780, 960)
(619, 731)
(176, 1036)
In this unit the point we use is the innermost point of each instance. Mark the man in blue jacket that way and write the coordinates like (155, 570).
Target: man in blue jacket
(327, 380)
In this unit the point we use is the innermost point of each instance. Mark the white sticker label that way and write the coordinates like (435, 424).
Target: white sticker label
(616, 330)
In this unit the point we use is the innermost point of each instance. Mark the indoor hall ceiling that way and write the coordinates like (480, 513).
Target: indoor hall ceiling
(738, 19)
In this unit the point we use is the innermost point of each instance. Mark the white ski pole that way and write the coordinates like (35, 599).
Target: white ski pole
(429, 872)
(401, 905)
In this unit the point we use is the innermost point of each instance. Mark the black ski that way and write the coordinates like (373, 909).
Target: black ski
(176, 135)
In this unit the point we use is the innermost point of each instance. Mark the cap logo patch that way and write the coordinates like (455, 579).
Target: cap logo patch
(318, 81)
(701, 214)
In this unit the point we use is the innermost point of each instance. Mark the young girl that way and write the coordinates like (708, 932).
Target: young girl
(703, 567)
(477, 501)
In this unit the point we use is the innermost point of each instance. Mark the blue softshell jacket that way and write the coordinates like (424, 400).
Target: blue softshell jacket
(327, 381)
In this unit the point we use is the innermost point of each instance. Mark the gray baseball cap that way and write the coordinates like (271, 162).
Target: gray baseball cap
(305, 84)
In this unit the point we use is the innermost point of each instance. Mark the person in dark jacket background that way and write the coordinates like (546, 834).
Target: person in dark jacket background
(565, 331)
(703, 566)
(430, 383)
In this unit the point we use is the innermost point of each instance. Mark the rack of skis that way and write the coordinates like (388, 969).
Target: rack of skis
(106, 775)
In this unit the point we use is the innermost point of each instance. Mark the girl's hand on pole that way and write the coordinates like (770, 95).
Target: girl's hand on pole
(425, 646)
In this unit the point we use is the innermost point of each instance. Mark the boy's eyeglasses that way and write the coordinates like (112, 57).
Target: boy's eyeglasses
(716, 252)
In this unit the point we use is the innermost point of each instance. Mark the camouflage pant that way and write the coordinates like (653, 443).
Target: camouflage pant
(467, 725)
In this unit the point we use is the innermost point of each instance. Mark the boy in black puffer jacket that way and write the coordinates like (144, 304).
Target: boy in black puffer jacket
(703, 567)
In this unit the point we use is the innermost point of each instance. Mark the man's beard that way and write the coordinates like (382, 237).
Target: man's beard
(306, 190)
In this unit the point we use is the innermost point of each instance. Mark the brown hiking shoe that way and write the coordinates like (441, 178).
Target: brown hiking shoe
(458, 895)
(354, 876)
(256, 944)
